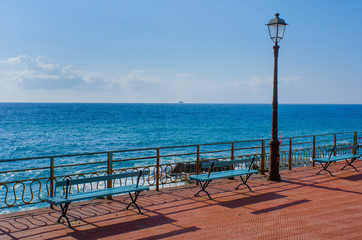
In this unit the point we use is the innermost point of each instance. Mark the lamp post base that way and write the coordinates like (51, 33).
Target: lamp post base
(275, 178)
(274, 161)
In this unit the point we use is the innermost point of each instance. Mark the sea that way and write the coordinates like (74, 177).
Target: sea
(43, 129)
(30, 130)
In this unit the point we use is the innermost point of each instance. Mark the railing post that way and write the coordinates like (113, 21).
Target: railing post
(262, 158)
(313, 151)
(232, 158)
(335, 144)
(158, 170)
(232, 155)
(109, 170)
(51, 180)
(232, 151)
(355, 138)
(198, 159)
(290, 154)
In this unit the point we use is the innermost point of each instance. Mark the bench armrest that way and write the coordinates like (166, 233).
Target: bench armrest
(210, 169)
(138, 178)
(251, 163)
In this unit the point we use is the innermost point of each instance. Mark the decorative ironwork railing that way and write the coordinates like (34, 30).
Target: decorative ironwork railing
(27, 181)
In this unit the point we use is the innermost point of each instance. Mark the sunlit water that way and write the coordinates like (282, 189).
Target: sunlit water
(38, 129)
(42, 129)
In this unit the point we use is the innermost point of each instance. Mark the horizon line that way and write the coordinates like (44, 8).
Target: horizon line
(177, 103)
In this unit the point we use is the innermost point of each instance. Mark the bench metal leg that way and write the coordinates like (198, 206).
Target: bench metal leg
(134, 201)
(350, 164)
(325, 166)
(203, 188)
(64, 213)
(244, 182)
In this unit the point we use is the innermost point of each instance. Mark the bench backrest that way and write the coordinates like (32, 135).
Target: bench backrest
(331, 152)
(354, 148)
(335, 150)
(214, 164)
(69, 182)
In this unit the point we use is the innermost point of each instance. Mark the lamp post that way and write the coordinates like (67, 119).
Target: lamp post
(276, 28)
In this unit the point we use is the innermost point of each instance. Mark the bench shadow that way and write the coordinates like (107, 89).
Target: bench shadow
(357, 177)
(124, 227)
(321, 187)
(241, 202)
(279, 207)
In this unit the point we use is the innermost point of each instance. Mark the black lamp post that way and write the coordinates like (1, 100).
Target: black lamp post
(276, 28)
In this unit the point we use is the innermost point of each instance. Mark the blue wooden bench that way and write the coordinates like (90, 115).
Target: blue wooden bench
(69, 197)
(348, 154)
(205, 179)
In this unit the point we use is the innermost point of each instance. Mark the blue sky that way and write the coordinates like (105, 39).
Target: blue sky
(163, 51)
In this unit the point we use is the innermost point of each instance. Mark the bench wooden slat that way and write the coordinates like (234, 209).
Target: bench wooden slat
(99, 179)
(228, 163)
(337, 158)
(346, 148)
(343, 148)
(94, 194)
(223, 174)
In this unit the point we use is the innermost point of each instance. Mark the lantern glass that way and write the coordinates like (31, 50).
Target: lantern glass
(276, 28)
(273, 29)
(281, 28)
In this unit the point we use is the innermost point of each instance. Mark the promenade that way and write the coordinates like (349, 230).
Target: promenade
(302, 206)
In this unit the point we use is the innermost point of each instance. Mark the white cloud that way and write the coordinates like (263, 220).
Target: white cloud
(39, 73)
(183, 75)
(25, 78)
(136, 80)
(43, 63)
(259, 83)
(291, 79)
(254, 83)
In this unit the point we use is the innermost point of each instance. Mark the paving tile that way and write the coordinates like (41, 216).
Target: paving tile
(302, 206)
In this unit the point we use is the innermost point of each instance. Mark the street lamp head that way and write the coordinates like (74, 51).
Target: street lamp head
(276, 28)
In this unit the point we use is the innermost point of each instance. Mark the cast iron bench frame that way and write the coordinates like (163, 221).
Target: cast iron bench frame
(205, 179)
(65, 200)
(325, 162)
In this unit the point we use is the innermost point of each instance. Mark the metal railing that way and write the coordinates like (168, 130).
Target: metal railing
(28, 181)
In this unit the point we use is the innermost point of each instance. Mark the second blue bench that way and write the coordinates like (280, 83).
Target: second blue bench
(205, 179)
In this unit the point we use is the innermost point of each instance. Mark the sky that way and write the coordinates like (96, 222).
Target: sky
(166, 51)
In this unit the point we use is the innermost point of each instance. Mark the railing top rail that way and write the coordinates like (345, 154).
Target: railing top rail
(319, 135)
(77, 154)
(224, 143)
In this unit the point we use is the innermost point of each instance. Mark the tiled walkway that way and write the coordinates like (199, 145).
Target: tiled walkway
(303, 206)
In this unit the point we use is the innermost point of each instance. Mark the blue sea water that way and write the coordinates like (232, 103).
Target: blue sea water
(42, 129)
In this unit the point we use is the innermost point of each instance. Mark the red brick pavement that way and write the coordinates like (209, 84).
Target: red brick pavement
(302, 206)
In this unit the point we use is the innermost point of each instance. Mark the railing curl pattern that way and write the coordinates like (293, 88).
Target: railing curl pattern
(166, 165)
